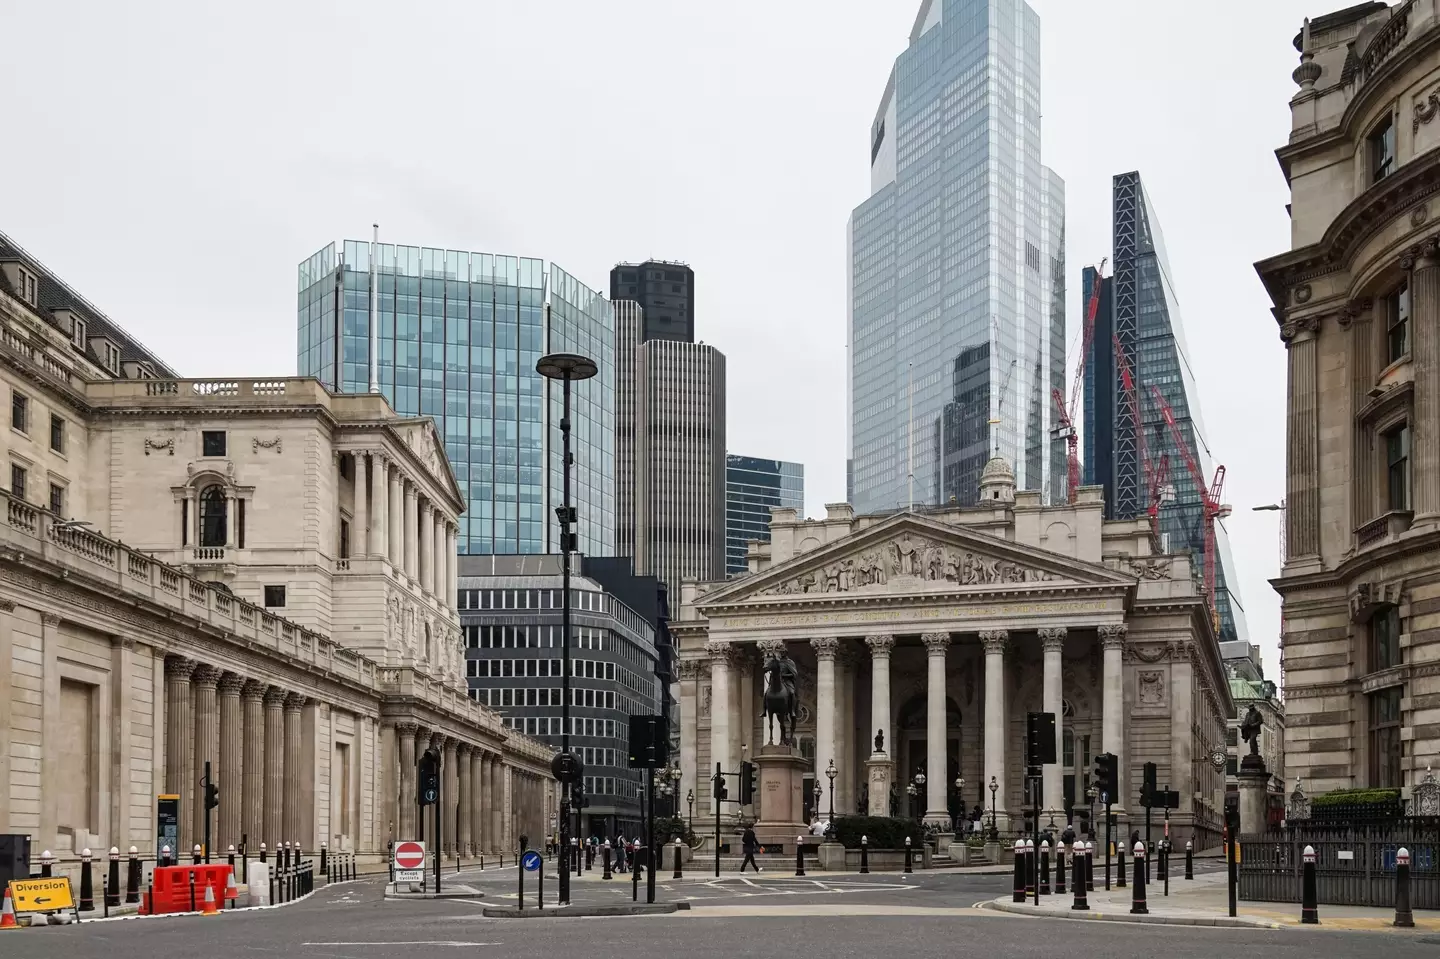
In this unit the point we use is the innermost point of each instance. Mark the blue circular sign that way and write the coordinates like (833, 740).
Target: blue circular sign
(531, 861)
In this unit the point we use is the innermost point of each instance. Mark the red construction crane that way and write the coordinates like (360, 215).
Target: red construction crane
(1157, 476)
(1213, 509)
(1066, 429)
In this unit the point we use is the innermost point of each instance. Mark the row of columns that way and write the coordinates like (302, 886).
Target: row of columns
(407, 529)
(252, 734)
(995, 643)
(476, 789)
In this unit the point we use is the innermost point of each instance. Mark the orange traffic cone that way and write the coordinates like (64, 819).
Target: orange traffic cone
(232, 891)
(210, 908)
(7, 913)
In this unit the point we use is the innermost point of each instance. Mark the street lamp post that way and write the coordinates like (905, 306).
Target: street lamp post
(959, 802)
(830, 773)
(994, 788)
(675, 776)
(913, 793)
(690, 798)
(917, 791)
(819, 791)
(565, 367)
(1092, 794)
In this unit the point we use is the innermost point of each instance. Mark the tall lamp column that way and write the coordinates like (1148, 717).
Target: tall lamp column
(565, 367)
(830, 773)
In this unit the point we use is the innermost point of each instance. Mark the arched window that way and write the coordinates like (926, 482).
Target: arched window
(213, 519)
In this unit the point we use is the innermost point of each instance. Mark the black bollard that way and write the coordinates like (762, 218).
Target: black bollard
(192, 892)
(164, 856)
(1165, 864)
(605, 855)
(1309, 894)
(197, 855)
(1404, 918)
(909, 857)
(1044, 867)
(87, 883)
(1137, 896)
(1082, 901)
(1089, 867)
(132, 881)
(325, 864)
(635, 875)
(47, 865)
(1189, 859)
(262, 852)
(1019, 890)
(799, 855)
(1120, 865)
(1060, 868)
(112, 882)
(520, 879)
(864, 854)
(1029, 868)
(678, 873)
(105, 896)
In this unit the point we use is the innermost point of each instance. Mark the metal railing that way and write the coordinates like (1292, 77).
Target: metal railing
(1355, 864)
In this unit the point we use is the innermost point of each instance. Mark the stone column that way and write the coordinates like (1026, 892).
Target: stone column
(207, 741)
(494, 803)
(825, 649)
(1363, 370)
(231, 518)
(194, 496)
(274, 822)
(294, 814)
(252, 790)
(380, 496)
(1425, 354)
(721, 655)
(1112, 640)
(451, 810)
(880, 647)
(228, 776)
(995, 641)
(179, 738)
(410, 533)
(509, 839)
(1052, 645)
(465, 828)
(397, 519)
(937, 770)
(452, 567)
(438, 564)
(689, 673)
(360, 540)
(405, 737)
(1302, 495)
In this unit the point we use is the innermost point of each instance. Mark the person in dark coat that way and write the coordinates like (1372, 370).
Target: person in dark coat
(751, 846)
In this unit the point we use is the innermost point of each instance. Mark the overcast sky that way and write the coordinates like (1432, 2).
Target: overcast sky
(174, 161)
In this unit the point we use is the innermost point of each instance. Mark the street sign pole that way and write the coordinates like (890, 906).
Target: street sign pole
(1107, 842)
(205, 794)
(439, 801)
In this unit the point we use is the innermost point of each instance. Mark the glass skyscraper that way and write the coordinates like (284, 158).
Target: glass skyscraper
(956, 305)
(459, 335)
(1139, 310)
(752, 487)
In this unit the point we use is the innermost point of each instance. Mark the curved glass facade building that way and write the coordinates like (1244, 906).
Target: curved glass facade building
(956, 298)
(459, 335)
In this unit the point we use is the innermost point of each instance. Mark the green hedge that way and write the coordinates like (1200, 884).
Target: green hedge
(666, 828)
(1357, 797)
(881, 832)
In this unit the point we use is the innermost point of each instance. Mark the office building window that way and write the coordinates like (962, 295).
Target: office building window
(57, 499)
(19, 411)
(1397, 467)
(1385, 639)
(1386, 750)
(274, 597)
(1397, 323)
(1382, 150)
(57, 433)
(213, 516)
(212, 442)
(17, 481)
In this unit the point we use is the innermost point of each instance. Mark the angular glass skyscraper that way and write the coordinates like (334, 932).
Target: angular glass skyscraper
(1139, 311)
(752, 487)
(956, 306)
(458, 337)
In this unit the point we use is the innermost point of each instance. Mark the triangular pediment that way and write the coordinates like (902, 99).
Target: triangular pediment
(913, 554)
(423, 438)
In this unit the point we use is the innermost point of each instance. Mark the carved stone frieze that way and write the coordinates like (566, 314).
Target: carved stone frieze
(1425, 109)
(167, 445)
(257, 444)
(1148, 568)
(1150, 687)
(908, 557)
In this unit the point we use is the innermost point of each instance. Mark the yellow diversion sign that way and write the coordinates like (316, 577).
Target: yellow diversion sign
(41, 895)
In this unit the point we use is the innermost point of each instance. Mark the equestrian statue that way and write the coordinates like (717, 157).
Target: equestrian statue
(782, 697)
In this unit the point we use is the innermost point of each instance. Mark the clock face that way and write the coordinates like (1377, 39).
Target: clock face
(1217, 759)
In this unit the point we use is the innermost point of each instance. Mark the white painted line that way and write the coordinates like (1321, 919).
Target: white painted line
(430, 942)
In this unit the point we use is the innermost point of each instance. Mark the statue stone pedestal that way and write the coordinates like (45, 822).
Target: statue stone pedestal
(879, 773)
(781, 796)
(1254, 780)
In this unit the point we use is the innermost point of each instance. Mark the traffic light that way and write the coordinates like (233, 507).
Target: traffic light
(212, 795)
(1148, 790)
(1039, 740)
(578, 799)
(429, 777)
(722, 791)
(1107, 775)
(747, 783)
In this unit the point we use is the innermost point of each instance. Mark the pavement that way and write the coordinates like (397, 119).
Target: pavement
(1204, 901)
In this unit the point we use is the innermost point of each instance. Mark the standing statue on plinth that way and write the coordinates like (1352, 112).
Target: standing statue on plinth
(879, 740)
(782, 697)
(1250, 726)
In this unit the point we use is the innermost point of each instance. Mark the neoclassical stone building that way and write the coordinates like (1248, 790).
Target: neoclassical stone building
(250, 572)
(1357, 299)
(941, 629)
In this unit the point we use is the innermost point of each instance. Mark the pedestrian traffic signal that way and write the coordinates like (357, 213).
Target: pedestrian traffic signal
(722, 791)
(578, 799)
(1107, 774)
(747, 783)
(429, 778)
(212, 795)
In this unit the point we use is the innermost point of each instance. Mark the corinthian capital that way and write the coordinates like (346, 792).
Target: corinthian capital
(935, 643)
(994, 640)
(205, 675)
(825, 647)
(720, 652)
(1052, 638)
(179, 667)
(1113, 637)
(771, 647)
(880, 644)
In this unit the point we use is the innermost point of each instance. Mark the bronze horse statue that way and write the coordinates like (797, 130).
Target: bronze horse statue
(781, 700)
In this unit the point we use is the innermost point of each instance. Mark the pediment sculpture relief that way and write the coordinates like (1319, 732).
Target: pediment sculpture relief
(911, 558)
(1156, 569)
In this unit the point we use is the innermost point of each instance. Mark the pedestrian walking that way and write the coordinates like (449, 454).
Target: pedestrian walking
(750, 845)
(620, 851)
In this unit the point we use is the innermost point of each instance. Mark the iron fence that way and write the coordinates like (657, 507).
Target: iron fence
(1354, 863)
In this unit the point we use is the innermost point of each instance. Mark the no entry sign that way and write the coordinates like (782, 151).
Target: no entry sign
(409, 855)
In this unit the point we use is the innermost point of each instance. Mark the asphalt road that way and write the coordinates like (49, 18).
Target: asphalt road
(353, 922)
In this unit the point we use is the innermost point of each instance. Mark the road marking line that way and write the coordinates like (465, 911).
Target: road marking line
(431, 942)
